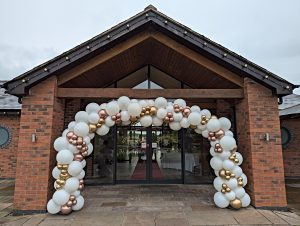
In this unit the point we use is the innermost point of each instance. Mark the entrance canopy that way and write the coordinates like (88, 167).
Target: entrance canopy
(149, 38)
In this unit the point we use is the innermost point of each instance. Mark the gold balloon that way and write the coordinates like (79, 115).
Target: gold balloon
(148, 108)
(147, 112)
(236, 160)
(57, 186)
(227, 177)
(227, 172)
(60, 166)
(228, 189)
(99, 125)
(65, 166)
(236, 203)
(153, 110)
(240, 179)
(240, 183)
(93, 128)
(64, 171)
(224, 186)
(232, 175)
(223, 191)
(142, 114)
(101, 121)
(193, 127)
(222, 173)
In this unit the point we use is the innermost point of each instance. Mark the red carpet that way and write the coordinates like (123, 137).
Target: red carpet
(139, 172)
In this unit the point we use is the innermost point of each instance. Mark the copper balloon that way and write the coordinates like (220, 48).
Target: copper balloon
(113, 117)
(193, 127)
(180, 108)
(57, 186)
(118, 115)
(236, 203)
(70, 134)
(74, 142)
(74, 137)
(78, 157)
(217, 145)
(72, 197)
(81, 181)
(171, 119)
(65, 209)
(102, 113)
(79, 147)
(176, 106)
(240, 183)
(143, 109)
(142, 114)
(69, 203)
(211, 134)
(177, 110)
(85, 153)
(232, 175)
(74, 202)
(213, 138)
(166, 119)
(99, 125)
(169, 114)
(81, 186)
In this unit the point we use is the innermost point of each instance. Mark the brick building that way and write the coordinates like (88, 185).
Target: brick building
(146, 56)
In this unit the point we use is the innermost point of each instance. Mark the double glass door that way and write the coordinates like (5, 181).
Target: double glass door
(148, 155)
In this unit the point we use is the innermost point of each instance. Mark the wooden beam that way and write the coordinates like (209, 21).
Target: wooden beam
(149, 93)
(110, 53)
(198, 58)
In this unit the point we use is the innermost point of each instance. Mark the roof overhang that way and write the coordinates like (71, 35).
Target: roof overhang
(150, 17)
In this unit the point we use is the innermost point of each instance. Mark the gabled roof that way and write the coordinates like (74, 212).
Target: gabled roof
(245, 68)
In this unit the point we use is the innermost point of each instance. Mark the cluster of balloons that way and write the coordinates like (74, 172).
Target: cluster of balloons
(74, 145)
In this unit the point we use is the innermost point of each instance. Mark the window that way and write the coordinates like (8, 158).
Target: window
(285, 136)
(5, 136)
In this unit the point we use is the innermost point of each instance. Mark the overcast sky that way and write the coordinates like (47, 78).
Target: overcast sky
(266, 32)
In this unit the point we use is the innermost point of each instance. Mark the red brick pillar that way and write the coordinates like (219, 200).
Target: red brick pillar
(256, 115)
(71, 108)
(42, 115)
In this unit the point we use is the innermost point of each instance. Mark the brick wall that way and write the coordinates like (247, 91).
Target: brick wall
(256, 115)
(42, 114)
(8, 158)
(291, 153)
(72, 106)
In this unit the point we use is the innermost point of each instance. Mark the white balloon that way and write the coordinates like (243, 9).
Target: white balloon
(237, 171)
(216, 163)
(73, 148)
(232, 183)
(71, 125)
(228, 133)
(228, 143)
(134, 109)
(175, 126)
(61, 197)
(170, 108)
(52, 207)
(230, 195)
(61, 143)
(180, 102)
(199, 131)
(202, 127)
(225, 123)
(109, 122)
(87, 140)
(81, 129)
(79, 204)
(239, 157)
(224, 155)
(245, 200)
(218, 181)
(92, 107)
(83, 163)
(195, 108)
(205, 133)
(213, 125)
(82, 116)
(94, 118)
(91, 135)
(76, 193)
(194, 118)
(150, 103)
(90, 148)
(126, 123)
(177, 116)
(81, 175)
(125, 116)
(75, 168)
(133, 101)
(143, 103)
(55, 172)
(184, 123)
(245, 180)
(228, 164)
(72, 184)
(103, 106)
(156, 121)
(160, 102)
(239, 192)
(220, 200)
(212, 151)
(123, 102)
(206, 113)
(161, 113)
(64, 157)
(103, 130)
(146, 121)
(112, 108)
(64, 134)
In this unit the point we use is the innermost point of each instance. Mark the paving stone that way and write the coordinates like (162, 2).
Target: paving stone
(113, 204)
(250, 216)
(272, 217)
(139, 218)
(171, 222)
(289, 217)
(4, 206)
(35, 219)
(210, 218)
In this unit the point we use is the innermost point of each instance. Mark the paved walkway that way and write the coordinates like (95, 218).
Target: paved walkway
(145, 205)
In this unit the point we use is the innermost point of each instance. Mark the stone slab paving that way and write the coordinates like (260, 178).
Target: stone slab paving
(151, 205)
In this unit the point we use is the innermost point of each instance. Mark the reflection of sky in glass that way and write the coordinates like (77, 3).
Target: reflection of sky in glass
(144, 85)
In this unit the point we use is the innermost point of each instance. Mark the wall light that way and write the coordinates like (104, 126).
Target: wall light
(33, 138)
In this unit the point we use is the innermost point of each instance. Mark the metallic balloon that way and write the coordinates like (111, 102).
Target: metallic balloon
(65, 209)
(236, 203)
(69, 203)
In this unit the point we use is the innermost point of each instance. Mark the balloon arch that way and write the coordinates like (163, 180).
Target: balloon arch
(74, 145)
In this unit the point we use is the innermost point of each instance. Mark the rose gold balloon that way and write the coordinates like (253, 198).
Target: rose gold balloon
(85, 153)
(217, 145)
(118, 115)
(177, 110)
(81, 181)
(69, 203)
(113, 118)
(102, 112)
(81, 186)
(70, 134)
(220, 150)
(167, 119)
(79, 147)
(213, 138)
(72, 197)
(74, 137)
(171, 119)
(74, 202)
(65, 209)
(169, 114)
(211, 134)
(78, 157)
(180, 108)
(176, 106)
(118, 121)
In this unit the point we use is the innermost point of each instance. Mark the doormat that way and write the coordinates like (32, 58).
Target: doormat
(140, 171)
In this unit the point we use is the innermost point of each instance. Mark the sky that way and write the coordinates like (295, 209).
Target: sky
(265, 32)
